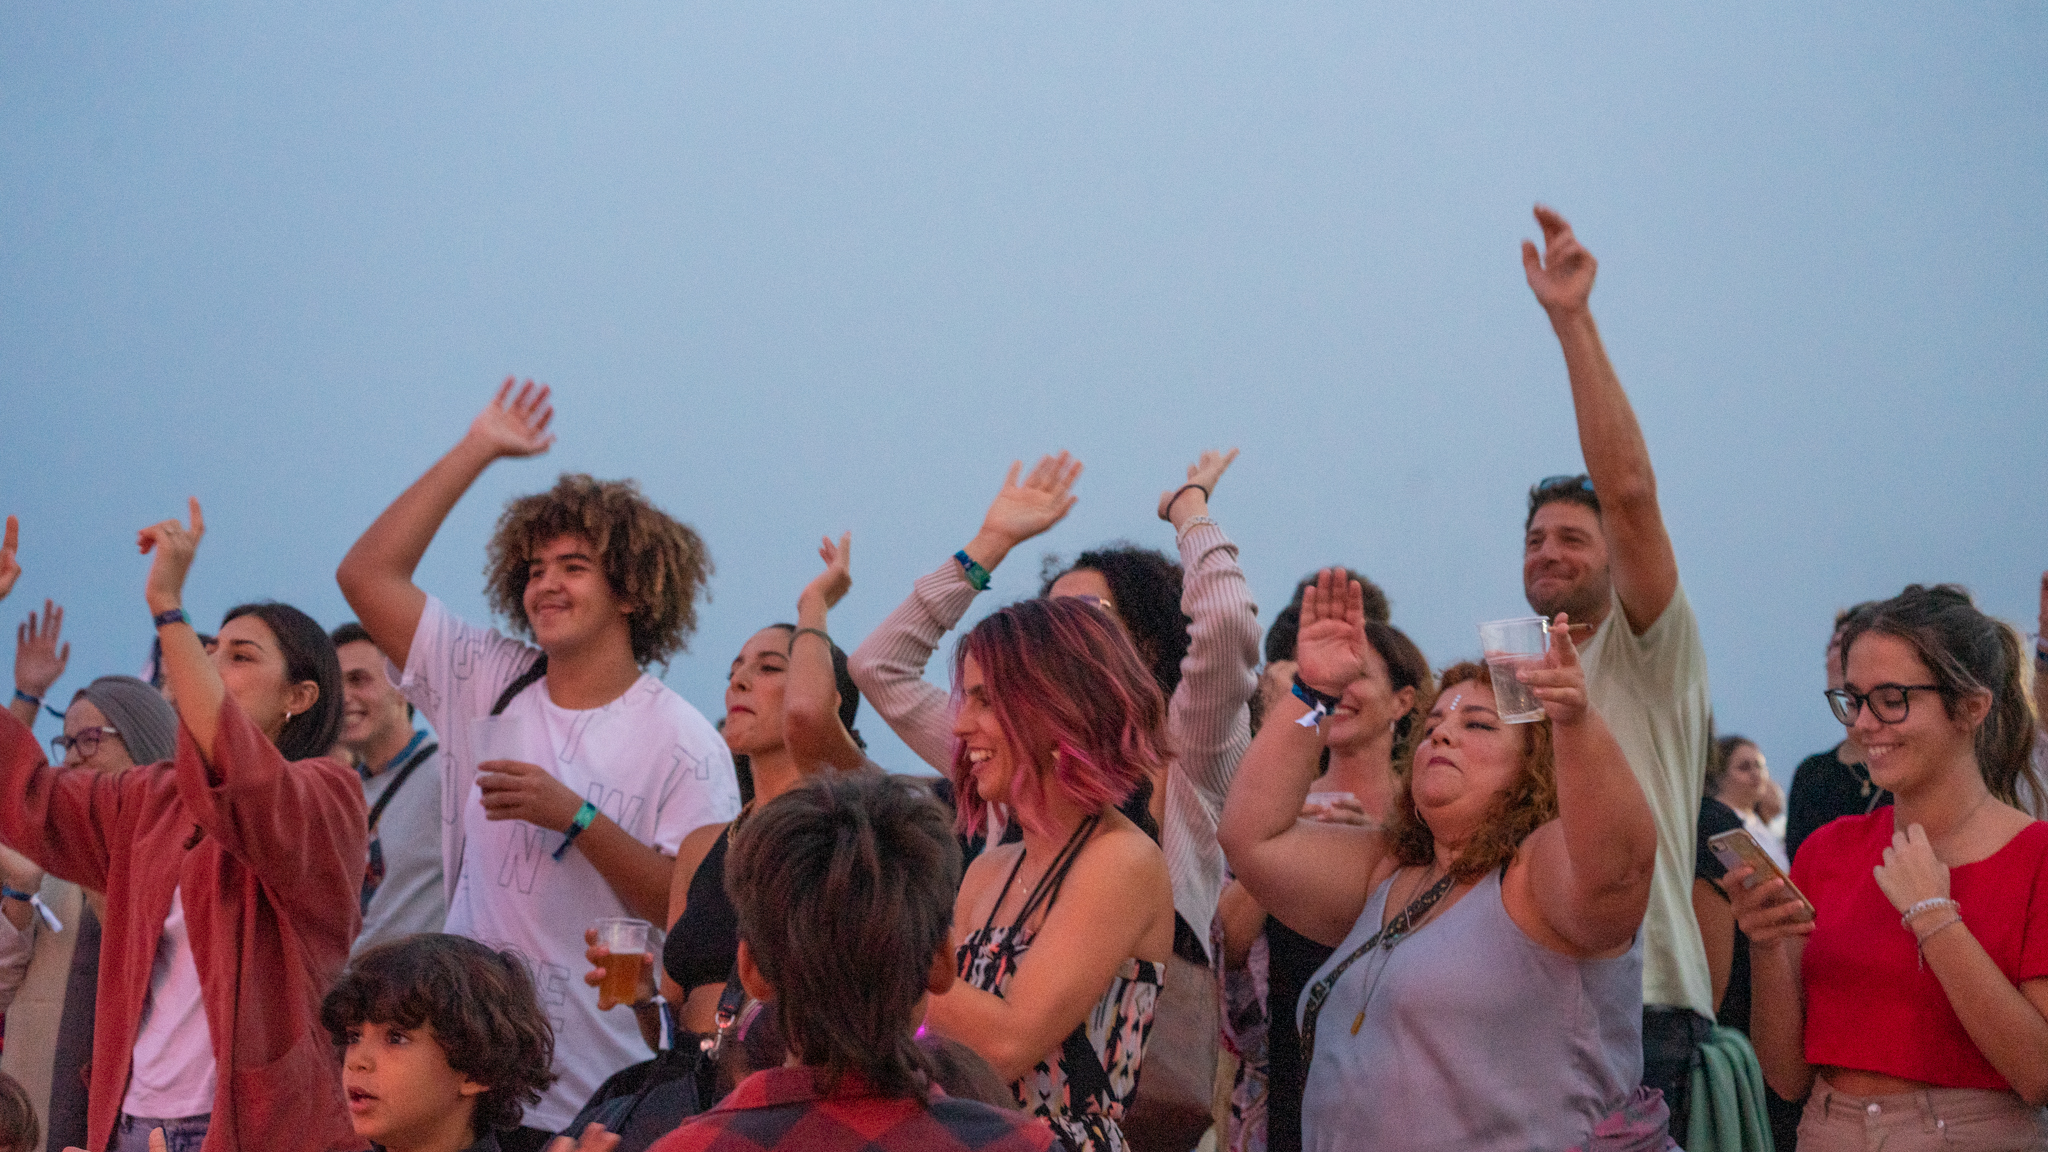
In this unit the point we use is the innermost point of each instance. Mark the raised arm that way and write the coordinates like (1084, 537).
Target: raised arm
(1639, 550)
(10, 565)
(39, 660)
(1589, 869)
(190, 678)
(1209, 716)
(889, 665)
(1312, 876)
(376, 575)
(810, 699)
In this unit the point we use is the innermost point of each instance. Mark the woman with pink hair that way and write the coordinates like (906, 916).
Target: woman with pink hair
(1064, 933)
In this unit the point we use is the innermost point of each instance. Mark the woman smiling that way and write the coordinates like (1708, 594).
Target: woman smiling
(1061, 936)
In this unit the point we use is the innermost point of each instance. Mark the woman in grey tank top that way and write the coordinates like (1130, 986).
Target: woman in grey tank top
(1486, 989)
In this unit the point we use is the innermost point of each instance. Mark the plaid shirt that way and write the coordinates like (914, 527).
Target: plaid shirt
(781, 1108)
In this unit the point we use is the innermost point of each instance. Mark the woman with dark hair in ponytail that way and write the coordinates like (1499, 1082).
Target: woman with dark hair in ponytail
(231, 872)
(789, 709)
(1913, 997)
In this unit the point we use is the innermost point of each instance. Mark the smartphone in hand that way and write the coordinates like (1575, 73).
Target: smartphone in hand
(1737, 848)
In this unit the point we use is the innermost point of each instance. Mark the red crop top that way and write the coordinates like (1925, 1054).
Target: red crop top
(1869, 1006)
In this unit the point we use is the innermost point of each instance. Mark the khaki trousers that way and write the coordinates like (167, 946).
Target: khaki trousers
(1934, 1118)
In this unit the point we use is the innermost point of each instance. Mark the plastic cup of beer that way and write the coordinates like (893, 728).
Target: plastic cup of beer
(626, 940)
(1510, 646)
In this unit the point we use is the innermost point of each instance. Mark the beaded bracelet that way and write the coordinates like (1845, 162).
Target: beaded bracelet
(1923, 937)
(1189, 526)
(1928, 905)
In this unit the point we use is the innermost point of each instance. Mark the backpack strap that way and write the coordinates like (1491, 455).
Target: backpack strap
(398, 782)
(538, 669)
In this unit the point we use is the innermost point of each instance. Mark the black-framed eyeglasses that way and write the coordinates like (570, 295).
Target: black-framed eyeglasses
(1889, 702)
(86, 740)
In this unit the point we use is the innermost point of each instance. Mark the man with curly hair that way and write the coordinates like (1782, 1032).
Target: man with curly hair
(572, 775)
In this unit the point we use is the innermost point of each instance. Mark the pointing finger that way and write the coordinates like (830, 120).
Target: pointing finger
(198, 520)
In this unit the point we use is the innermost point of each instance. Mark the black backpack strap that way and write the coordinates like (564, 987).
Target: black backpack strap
(525, 681)
(398, 782)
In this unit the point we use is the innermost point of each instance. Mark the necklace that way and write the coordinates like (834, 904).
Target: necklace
(1392, 933)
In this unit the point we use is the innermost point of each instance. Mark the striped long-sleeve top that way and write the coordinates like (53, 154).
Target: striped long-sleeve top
(1208, 718)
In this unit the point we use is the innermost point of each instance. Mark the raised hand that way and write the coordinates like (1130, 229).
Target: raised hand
(1562, 277)
(827, 587)
(593, 1139)
(1191, 499)
(1330, 648)
(1023, 510)
(515, 425)
(174, 545)
(38, 659)
(1559, 683)
(10, 568)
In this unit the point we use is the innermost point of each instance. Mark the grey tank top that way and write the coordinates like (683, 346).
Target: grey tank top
(1475, 1037)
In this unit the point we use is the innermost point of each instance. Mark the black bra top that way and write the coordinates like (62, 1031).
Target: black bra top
(705, 941)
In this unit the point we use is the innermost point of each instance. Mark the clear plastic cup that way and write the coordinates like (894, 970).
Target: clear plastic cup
(626, 938)
(1511, 645)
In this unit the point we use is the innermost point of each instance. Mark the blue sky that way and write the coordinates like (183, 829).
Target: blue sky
(810, 268)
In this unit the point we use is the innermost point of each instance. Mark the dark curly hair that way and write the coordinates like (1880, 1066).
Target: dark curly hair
(1144, 590)
(651, 560)
(1529, 801)
(479, 1003)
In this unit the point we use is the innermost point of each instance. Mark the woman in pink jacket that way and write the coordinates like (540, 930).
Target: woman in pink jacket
(231, 872)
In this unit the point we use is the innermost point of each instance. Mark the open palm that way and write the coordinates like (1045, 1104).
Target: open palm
(1562, 277)
(1331, 644)
(1023, 510)
(515, 424)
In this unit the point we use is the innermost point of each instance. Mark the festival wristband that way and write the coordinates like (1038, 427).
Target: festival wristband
(9, 892)
(976, 574)
(174, 616)
(584, 816)
(33, 702)
(1319, 703)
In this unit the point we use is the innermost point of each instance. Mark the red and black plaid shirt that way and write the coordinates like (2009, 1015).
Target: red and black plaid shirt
(783, 1108)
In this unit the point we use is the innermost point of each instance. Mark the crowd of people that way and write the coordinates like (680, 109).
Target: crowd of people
(1177, 883)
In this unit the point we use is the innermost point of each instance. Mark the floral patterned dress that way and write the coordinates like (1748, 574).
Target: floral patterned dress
(1080, 1102)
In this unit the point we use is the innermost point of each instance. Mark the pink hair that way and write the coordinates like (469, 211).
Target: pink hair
(1078, 705)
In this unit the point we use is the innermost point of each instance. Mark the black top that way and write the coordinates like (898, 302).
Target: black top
(1716, 818)
(704, 944)
(1291, 960)
(1825, 789)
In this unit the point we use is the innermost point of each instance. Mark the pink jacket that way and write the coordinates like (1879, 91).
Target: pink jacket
(268, 859)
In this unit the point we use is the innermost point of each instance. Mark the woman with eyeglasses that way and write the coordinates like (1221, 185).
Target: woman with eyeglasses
(112, 724)
(1913, 1001)
(232, 873)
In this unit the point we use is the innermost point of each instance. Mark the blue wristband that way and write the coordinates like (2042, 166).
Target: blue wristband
(1320, 704)
(976, 574)
(174, 616)
(10, 892)
(584, 816)
(25, 698)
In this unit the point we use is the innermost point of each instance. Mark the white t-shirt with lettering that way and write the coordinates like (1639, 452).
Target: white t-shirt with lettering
(648, 760)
